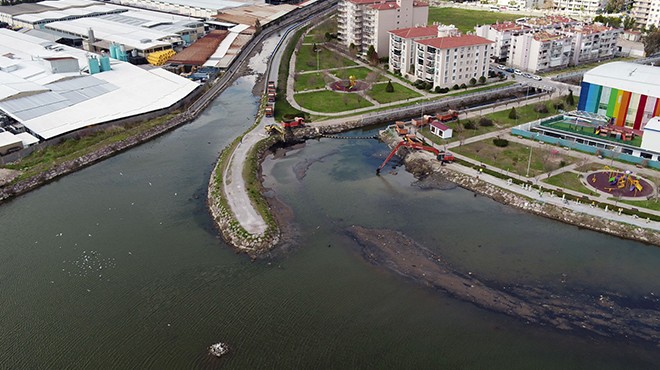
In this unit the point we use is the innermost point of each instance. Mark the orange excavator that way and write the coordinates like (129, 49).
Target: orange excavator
(407, 144)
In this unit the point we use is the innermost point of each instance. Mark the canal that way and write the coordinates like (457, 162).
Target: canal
(119, 266)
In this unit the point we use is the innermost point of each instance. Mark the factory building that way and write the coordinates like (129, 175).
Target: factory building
(628, 93)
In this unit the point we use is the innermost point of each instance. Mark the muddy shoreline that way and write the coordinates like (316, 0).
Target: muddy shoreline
(606, 314)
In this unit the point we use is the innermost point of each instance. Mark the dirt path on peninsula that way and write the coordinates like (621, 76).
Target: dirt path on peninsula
(605, 314)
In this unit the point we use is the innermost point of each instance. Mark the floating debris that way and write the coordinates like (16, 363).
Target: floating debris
(218, 349)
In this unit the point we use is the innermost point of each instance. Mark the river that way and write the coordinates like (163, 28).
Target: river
(119, 266)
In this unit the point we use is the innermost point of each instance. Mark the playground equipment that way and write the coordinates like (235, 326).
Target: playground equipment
(351, 82)
(441, 156)
(623, 180)
(618, 132)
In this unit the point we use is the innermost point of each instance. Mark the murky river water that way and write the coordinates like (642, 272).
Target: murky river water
(118, 266)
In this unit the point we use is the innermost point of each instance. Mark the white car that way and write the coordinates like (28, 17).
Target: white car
(537, 78)
(499, 66)
(527, 75)
(517, 71)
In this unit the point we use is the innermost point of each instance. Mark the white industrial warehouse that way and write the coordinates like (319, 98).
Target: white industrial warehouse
(48, 87)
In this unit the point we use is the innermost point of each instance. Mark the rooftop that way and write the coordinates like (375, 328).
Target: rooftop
(414, 32)
(546, 36)
(455, 41)
(51, 104)
(636, 78)
(507, 26)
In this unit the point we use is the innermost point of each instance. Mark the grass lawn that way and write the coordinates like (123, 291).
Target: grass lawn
(571, 181)
(360, 73)
(588, 131)
(330, 101)
(525, 114)
(515, 157)
(465, 19)
(400, 93)
(310, 81)
(460, 133)
(306, 60)
(653, 204)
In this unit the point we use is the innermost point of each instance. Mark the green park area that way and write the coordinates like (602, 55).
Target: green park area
(569, 180)
(527, 113)
(310, 81)
(360, 73)
(589, 131)
(330, 101)
(465, 19)
(379, 93)
(515, 157)
(309, 60)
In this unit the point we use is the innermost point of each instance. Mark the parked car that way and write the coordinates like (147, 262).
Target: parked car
(499, 66)
(528, 75)
(537, 78)
(510, 70)
(517, 71)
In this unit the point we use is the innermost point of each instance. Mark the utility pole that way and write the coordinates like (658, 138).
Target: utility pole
(529, 162)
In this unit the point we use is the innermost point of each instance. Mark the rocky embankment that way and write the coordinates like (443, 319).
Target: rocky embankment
(603, 313)
(422, 165)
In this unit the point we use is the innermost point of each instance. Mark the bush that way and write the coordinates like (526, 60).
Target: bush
(444, 90)
(485, 122)
(438, 89)
(513, 114)
(428, 85)
(541, 108)
(473, 81)
(570, 100)
(482, 80)
(558, 105)
(455, 87)
(469, 125)
(500, 142)
(389, 88)
(463, 86)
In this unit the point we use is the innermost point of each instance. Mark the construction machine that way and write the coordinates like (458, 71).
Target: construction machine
(407, 144)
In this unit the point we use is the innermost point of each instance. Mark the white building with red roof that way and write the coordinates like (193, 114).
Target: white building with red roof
(401, 46)
(365, 23)
(445, 60)
(501, 34)
(443, 131)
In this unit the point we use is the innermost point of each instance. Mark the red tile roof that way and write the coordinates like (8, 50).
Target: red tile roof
(385, 6)
(440, 126)
(455, 41)
(507, 26)
(414, 32)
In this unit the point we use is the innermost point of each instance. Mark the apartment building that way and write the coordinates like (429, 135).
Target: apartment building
(579, 6)
(402, 51)
(646, 13)
(592, 42)
(541, 51)
(366, 22)
(447, 59)
(501, 35)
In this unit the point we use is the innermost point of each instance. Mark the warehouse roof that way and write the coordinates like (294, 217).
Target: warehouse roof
(51, 104)
(636, 78)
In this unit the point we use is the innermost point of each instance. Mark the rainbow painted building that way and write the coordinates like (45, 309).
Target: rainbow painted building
(628, 93)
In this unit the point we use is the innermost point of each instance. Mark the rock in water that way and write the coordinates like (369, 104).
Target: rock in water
(218, 349)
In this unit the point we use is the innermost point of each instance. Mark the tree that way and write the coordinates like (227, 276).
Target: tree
(570, 100)
(651, 43)
(513, 114)
(372, 55)
(473, 81)
(629, 23)
(389, 88)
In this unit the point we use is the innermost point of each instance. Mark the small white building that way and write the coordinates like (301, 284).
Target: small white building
(651, 138)
(437, 128)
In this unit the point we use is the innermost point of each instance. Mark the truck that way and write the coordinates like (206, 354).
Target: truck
(447, 116)
(269, 110)
(271, 95)
(294, 123)
(446, 157)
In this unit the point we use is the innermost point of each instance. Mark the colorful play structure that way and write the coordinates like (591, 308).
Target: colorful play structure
(619, 183)
(617, 132)
(351, 82)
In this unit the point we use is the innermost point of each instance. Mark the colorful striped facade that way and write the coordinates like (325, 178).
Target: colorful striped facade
(626, 108)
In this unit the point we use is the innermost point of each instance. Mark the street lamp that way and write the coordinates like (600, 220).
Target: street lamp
(529, 162)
